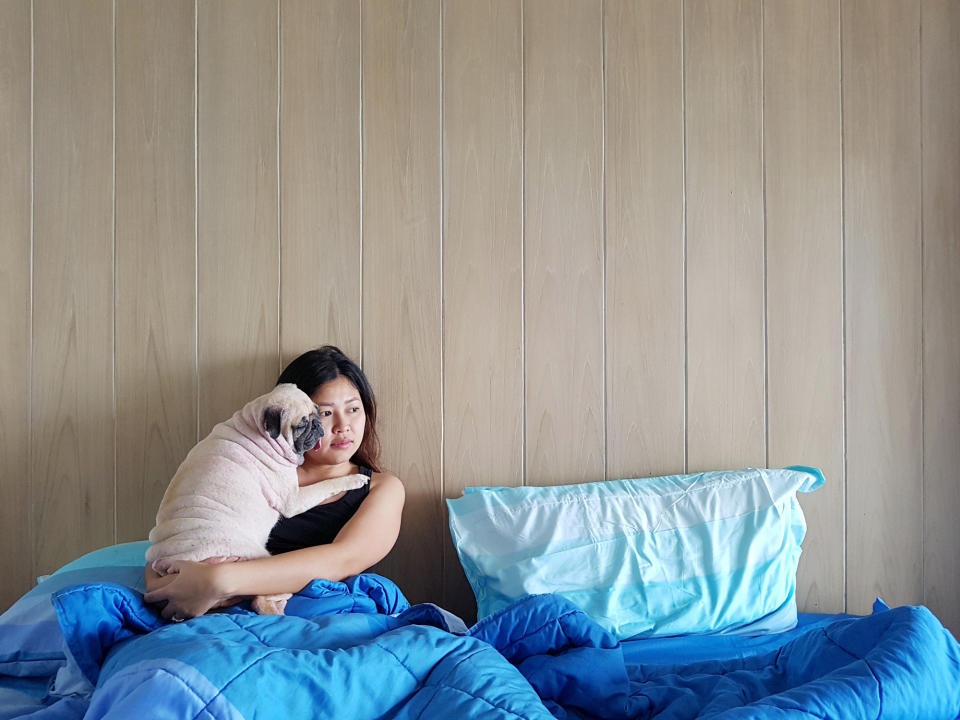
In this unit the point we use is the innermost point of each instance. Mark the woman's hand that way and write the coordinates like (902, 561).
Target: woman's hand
(191, 590)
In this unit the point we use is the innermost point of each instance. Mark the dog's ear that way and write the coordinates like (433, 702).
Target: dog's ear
(272, 418)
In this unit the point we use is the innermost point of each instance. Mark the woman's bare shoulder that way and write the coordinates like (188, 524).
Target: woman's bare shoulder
(386, 481)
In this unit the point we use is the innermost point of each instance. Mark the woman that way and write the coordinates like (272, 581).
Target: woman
(343, 536)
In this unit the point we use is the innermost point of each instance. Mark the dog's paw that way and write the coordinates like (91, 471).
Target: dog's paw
(270, 604)
(309, 496)
(352, 482)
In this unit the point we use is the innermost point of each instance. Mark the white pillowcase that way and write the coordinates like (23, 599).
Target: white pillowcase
(712, 552)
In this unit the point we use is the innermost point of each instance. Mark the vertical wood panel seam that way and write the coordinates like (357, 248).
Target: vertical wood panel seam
(443, 346)
(196, 216)
(923, 442)
(359, 257)
(279, 194)
(30, 484)
(603, 229)
(523, 243)
(843, 302)
(763, 219)
(683, 210)
(113, 350)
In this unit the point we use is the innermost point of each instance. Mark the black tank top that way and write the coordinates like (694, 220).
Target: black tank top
(320, 524)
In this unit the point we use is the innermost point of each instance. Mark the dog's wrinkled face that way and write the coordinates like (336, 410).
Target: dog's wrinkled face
(288, 411)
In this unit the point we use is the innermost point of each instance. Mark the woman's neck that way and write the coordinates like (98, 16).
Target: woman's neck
(310, 473)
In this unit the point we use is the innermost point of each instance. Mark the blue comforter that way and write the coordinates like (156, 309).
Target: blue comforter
(357, 650)
(898, 663)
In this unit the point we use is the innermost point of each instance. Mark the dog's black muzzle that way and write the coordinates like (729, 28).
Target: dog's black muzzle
(306, 434)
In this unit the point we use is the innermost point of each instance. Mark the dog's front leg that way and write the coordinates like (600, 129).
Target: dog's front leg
(309, 496)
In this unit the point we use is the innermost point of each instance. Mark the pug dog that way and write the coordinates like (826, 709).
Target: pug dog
(232, 487)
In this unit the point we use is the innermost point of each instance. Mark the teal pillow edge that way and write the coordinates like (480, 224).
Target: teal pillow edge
(819, 479)
(120, 554)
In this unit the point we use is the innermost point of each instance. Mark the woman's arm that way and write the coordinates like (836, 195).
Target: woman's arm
(365, 540)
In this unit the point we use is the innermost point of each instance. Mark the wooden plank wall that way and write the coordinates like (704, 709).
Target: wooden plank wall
(483, 256)
(884, 322)
(402, 266)
(568, 241)
(320, 176)
(940, 23)
(563, 242)
(73, 431)
(645, 244)
(726, 378)
(156, 326)
(15, 296)
(804, 278)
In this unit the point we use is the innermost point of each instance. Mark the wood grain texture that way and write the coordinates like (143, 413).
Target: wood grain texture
(320, 286)
(941, 308)
(724, 189)
(237, 243)
(881, 141)
(482, 258)
(73, 430)
(402, 323)
(804, 230)
(15, 239)
(644, 238)
(156, 248)
(438, 266)
(563, 241)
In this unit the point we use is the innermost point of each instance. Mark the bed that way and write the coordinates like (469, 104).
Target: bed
(551, 642)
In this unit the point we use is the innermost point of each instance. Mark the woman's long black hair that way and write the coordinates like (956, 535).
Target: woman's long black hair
(318, 367)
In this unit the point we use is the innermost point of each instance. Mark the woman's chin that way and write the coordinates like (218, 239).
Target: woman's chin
(328, 456)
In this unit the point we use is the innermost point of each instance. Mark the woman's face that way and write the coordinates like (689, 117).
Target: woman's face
(343, 419)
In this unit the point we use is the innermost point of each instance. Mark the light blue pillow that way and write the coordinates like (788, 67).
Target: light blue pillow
(36, 667)
(712, 552)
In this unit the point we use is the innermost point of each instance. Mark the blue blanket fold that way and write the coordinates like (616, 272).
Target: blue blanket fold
(338, 652)
(364, 593)
(572, 662)
(96, 616)
(898, 663)
(358, 650)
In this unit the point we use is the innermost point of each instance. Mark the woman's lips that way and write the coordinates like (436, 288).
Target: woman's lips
(341, 445)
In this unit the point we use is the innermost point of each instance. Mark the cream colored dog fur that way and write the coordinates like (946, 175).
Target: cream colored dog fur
(232, 487)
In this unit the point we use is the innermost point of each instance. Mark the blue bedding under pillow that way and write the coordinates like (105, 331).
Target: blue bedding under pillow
(712, 552)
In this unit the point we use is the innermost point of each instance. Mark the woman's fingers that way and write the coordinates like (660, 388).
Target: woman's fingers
(159, 594)
(159, 583)
(187, 591)
(169, 612)
(157, 590)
